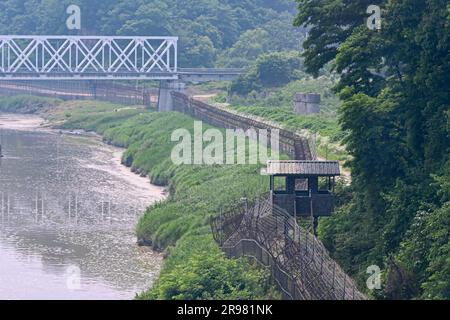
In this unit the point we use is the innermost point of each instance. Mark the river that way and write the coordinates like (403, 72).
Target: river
(68, 210)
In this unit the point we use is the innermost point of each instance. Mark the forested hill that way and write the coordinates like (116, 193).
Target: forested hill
(394, 83)
(212, 32)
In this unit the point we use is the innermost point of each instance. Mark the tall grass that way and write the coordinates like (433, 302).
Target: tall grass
(195, 267)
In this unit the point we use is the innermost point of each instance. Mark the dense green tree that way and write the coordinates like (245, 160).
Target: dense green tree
(330, 23)
(209, 275)
(205, 27)
(246, 83)
(199, 51)
(250, 45)
(270, 70)
(277, 35)
(395, 87)
(149, 18)
(277, 69)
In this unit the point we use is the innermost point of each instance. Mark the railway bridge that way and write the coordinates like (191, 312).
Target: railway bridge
(93, 58)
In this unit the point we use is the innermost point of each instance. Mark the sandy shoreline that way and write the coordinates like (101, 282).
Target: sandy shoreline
(114, 265)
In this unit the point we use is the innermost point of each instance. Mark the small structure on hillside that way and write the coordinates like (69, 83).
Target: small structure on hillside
(303, 188)
(307, 103)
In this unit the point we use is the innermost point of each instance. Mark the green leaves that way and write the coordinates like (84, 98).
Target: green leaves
(395, 87)
(331, 22)
(270, 70)
(201, 272)
(360, 61)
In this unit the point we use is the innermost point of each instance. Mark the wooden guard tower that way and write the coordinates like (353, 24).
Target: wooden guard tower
(303, 188)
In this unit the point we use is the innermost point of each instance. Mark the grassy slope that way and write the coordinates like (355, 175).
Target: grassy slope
(278, 106)
(195, 267)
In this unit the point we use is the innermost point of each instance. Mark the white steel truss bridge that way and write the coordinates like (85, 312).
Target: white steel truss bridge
(88, 58)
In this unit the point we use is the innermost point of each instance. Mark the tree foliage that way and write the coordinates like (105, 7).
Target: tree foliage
(395, 87)
(270, 70)
(198, 270)
(208, 29)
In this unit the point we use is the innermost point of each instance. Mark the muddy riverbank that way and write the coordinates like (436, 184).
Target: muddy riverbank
(68, 212)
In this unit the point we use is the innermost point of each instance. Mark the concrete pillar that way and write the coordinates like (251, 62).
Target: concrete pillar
(166, 87)
(146, 98)
(93, 89)
(307, 103)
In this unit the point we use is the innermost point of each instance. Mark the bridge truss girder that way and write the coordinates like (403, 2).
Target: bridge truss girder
(88, 58)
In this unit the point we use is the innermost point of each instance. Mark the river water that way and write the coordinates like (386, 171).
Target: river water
(68, 210)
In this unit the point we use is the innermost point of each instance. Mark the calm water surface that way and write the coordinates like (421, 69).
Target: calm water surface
(67, 215)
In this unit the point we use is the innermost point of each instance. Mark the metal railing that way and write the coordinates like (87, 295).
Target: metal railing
(300, 264)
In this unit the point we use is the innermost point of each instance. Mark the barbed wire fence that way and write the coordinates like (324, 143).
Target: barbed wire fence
(300, 264)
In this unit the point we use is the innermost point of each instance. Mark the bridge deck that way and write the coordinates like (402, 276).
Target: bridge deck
(97, 58)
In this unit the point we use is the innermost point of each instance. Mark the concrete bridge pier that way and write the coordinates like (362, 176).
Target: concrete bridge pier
(166, 87)
(146, 98)
(93, 89)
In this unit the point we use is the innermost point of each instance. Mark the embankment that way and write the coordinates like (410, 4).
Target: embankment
(297, 146)
(195, 267)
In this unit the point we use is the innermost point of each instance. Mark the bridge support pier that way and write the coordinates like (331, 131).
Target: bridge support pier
(166, 87)
(146, 98)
